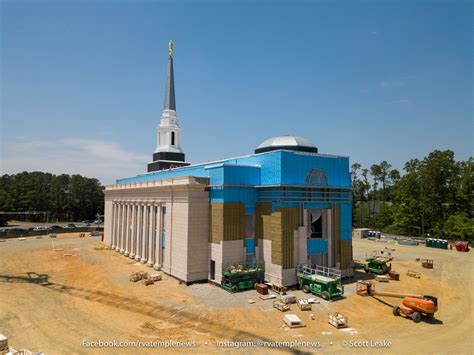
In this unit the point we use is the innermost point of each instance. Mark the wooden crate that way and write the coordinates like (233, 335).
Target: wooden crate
(262, 289)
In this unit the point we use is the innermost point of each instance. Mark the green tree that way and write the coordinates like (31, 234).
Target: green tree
(65, 197)
(459, 226)
(376, 172)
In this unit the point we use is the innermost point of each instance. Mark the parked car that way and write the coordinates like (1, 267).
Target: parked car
(70, 226)
(17, 230)
(55, 227)
(40, 229)
(98, 221)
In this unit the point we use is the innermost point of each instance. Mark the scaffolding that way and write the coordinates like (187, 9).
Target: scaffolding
(324, 271)
(379, 255)
(249, 266)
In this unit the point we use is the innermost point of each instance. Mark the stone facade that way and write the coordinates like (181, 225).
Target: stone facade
(161, 223)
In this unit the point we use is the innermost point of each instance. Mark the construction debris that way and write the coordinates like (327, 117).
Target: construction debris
(251, 301)
(288, 299)
(313, 300)
(148, 281)
(427, 263)
(311, 316)
(53, 235)
(337, 320)
(293, 321)
(268, 297)
(102, 246)
(304, 305)
(156, 277)
(21, 239)
(382, 278)
(414, 274)
(137, 276)
(283, 307)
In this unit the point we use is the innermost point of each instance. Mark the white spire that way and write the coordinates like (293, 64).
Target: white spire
(168, 131)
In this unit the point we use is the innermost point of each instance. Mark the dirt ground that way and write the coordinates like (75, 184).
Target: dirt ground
(59, 303)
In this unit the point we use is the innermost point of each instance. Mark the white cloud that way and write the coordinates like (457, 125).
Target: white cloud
(104, 160)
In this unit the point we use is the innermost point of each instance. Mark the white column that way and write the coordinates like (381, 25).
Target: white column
(145, 231)
(117, 226)
(151, 239)
(122, 228)
(133, 226)
(112, 232)
(114, 225)
(127, 230)
(138, 253)
(158, 260)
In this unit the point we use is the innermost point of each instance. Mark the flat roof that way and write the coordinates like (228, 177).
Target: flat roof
(222, 162)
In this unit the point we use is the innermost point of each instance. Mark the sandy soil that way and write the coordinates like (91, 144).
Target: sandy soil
(53, 302)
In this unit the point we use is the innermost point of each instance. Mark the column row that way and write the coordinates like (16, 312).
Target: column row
(137, 228)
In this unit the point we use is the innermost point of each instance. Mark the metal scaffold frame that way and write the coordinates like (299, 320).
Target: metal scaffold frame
(332, 273)
(249, 266)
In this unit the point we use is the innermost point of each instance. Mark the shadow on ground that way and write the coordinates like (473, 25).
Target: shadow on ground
(359, 275)
(133, 304)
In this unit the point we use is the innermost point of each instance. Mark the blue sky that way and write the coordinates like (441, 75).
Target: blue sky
(82, 82)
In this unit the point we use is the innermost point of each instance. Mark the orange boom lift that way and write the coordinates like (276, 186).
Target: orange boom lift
(413, 306)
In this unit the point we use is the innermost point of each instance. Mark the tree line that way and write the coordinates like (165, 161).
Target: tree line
(65, 197)
(434, 196)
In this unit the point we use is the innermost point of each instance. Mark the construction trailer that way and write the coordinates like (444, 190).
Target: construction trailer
(237, 278)
(321, 281)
